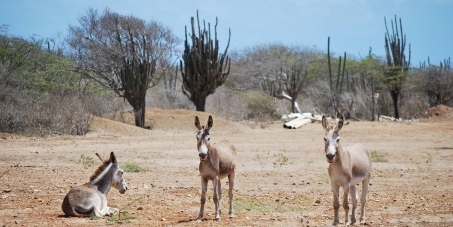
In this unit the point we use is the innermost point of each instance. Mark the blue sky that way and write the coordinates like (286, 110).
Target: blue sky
(353, 25)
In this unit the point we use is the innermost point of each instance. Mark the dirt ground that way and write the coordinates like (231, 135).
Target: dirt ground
(281, 177)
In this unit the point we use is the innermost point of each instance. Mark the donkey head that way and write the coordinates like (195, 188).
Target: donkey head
(332, 138)
(203, 137)
(118, 181)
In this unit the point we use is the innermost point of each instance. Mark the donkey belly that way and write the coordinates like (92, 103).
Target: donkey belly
(357, 179)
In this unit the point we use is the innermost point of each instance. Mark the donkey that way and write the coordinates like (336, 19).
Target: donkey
(90, 199)
(348, 166)
(216, 163)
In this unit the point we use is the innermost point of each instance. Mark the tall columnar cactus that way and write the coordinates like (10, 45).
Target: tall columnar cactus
(204, 69)
(170, 79)
(334, 90)
(397, 65)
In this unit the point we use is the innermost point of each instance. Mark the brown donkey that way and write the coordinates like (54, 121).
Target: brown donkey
(348, 166)
(216, 163)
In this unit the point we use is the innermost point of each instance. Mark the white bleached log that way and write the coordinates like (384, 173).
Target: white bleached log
(300, 123)
(297, 123)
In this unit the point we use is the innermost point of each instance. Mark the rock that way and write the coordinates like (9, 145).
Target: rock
(140, 208)
(163, 219)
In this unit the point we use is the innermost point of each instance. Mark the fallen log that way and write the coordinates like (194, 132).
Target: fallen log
(299, 123)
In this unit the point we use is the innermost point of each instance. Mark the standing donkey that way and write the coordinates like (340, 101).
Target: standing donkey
(348, 166)
(90, 199)
(216, 163)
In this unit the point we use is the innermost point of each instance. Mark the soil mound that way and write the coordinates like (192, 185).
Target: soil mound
(105, 127)
(158, 119)
(440, 111)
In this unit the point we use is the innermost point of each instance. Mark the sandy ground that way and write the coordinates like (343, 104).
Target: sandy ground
(281, 175)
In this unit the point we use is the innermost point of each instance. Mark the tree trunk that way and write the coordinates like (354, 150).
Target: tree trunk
(139, 111)
(200, 104)
(395, 95)
(293, 105)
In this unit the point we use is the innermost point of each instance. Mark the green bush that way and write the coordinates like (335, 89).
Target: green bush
(261, 106)
(132, 168)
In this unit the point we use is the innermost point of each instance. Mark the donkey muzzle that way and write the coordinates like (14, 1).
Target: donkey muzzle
(330, 158)
(202, 156)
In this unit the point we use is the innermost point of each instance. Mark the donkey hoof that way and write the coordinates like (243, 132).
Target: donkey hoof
(231, 216)
(217, 218)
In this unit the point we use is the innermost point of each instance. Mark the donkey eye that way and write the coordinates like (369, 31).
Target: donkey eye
(209, 139)
(325, 140)
(338, 140)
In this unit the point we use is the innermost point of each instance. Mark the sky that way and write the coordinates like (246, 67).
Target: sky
(352, 25)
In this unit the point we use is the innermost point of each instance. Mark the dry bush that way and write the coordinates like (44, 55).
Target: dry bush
(229, 104)
(45, 114)
(168, 99)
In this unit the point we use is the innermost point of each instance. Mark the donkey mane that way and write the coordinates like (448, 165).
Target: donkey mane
(99, 170)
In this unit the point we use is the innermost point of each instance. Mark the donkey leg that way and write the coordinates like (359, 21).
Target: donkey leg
(219, 192)
(346, 203)
(215, 197)
(363, 199)
(353, 193)
(204, 186)
(336, 203)
(97, 203)
(230, 193)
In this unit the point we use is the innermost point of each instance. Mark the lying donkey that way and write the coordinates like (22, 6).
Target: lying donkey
(90, 199)
(216, 163)
(348, 166)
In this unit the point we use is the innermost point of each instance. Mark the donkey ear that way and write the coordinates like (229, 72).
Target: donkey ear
(210, 123)
(197, 123)
(325, 124)
(113, 158)
(339, 125)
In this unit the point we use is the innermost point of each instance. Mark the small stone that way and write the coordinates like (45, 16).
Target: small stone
(17, 222)
(318, 201)
(140, 208)
(163, 219)
(7, 190)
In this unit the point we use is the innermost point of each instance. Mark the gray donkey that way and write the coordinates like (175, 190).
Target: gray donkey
(90, 199)
(216, 163)
(348, 166)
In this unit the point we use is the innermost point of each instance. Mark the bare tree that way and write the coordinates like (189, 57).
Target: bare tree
(204, 69)
(122, 53)
(287, 86)
(397, 66)
(255, 64)
(438, 82)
